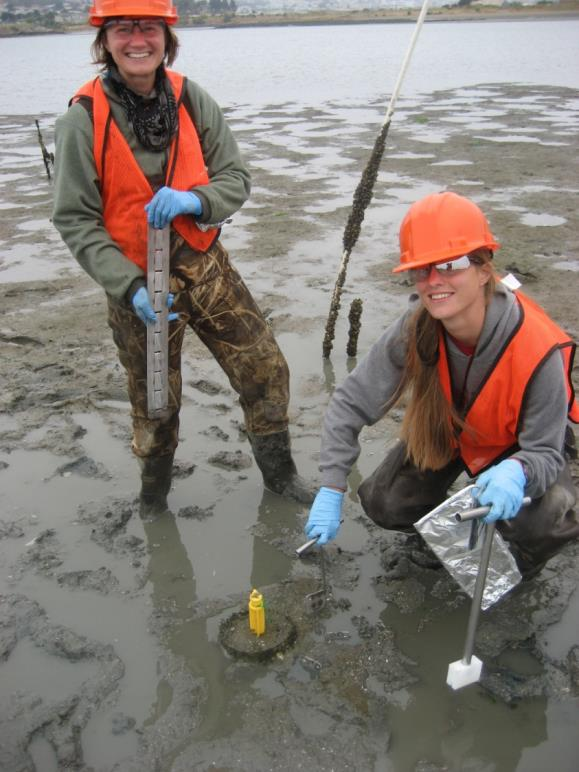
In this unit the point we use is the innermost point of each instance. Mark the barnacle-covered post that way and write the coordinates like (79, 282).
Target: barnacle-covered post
(364, 191)
(354, 318)
(362, 198)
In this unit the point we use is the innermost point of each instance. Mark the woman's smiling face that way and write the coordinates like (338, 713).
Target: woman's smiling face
(137, 47)
(456, 299)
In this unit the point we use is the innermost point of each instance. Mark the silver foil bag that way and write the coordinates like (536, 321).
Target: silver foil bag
(458, 546)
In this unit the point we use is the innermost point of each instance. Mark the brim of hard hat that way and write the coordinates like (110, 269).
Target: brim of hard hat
(443, 257)
(98, 22)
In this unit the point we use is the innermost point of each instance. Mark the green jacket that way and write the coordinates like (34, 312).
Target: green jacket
(78, 212)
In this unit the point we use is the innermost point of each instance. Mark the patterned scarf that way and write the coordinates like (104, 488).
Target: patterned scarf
(153, 119)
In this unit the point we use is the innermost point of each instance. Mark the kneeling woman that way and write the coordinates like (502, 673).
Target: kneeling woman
(485, 375)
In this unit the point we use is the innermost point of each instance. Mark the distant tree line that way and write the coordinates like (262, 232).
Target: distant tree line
(34, 18)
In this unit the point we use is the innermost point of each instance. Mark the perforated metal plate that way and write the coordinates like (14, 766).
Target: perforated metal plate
(157, 334)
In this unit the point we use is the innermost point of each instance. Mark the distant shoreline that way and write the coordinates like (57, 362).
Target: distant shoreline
(540, 12)
(562, 11)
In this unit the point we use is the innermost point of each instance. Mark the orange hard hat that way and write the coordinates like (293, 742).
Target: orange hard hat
(440, 227)
(101, 10)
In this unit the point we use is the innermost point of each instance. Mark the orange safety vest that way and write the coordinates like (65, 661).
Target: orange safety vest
(494, 413)
(124, 188)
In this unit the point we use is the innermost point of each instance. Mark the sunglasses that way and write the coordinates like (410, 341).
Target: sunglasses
(124, 28)
(447, 268)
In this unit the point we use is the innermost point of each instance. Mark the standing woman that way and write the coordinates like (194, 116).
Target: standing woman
(142, 144)
(485, 375)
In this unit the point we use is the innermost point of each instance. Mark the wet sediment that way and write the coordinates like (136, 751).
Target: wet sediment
(106, 601)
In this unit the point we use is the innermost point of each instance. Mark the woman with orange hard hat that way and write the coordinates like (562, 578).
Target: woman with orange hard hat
(140, 146)
(486, 378)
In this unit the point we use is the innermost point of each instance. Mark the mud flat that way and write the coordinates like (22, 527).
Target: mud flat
(109, 648)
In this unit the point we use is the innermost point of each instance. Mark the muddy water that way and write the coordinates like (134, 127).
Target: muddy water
(110, 656)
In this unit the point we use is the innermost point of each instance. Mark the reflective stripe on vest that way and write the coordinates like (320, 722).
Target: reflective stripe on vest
(494, 414)
(124, 188)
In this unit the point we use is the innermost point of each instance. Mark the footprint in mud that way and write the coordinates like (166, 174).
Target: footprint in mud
(194, 512)
(84, 467)
(27, 715)
(232, 460)
(100, 580)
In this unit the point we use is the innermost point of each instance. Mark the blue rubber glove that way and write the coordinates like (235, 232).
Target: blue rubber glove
(501, 487)
(144, 309)
(170, 299)
(167, 203)
(324, 519)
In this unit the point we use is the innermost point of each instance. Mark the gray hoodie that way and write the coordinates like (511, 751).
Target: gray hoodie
(359, 401)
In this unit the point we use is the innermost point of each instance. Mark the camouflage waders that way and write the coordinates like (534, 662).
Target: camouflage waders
(212, 299)
(397, 494)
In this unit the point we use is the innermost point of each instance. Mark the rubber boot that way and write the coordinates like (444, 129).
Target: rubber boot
(570, 445)
(155, 484)
(273, 456)
(528, 567)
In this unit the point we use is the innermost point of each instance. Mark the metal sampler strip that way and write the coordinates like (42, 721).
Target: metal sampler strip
(158, 333)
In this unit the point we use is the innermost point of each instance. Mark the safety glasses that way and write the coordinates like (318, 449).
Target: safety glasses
(448, 268)
(124, 28)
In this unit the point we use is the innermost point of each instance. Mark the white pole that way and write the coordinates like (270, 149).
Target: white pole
(406, 62)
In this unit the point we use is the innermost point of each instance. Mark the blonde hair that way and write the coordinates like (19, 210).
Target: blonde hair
(430, 424)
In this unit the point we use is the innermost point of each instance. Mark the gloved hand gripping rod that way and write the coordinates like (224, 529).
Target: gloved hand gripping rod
(474, 514)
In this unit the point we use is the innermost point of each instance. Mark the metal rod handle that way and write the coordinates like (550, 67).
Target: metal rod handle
(305, 547)
(474, 514)
(309, 544)
(478, 593)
